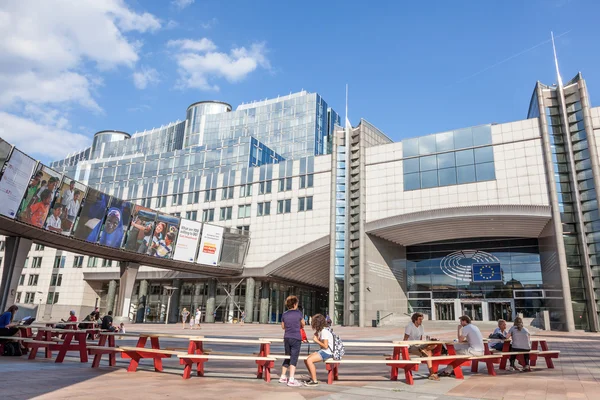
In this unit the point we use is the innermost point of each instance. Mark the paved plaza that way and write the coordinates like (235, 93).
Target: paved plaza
(576, 376)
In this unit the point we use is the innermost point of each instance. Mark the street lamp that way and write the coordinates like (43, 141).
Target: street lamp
(37, 314)
(170, 290)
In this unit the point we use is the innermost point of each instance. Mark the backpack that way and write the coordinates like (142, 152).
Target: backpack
(338, 349)
(12, 349)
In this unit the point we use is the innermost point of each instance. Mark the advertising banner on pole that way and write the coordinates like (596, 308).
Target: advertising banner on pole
(39, 196)
(14, 182)
(210, 245)
(187, 242)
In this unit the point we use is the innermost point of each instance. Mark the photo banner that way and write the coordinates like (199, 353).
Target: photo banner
(210, 245)
(40, 194)
(164, 236)
(187, 241)
(116, 221)
(15, 181)
(5, 149)
(65, 208)
(140, 231)
(92, 214)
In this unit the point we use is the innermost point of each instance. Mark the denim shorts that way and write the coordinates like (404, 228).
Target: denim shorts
(324, 355)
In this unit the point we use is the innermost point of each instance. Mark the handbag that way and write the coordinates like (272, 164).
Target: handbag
(303, 335)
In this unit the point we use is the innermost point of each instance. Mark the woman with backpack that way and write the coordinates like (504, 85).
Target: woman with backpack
(324, 338)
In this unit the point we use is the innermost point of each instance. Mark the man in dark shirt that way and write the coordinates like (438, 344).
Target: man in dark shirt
(107, 323)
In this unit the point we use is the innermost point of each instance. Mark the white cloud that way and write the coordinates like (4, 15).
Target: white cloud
(209, 24)
(144, 77)
(199, 64)
(38, 139)
(201, 45)
(181, 4)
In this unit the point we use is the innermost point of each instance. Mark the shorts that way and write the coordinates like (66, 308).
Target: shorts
(464, 349)
(415, 350)
(324, 355)
(292, 349)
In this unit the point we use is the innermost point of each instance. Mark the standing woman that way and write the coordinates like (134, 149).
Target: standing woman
(184, 316)
(7, 328)
(291, 322)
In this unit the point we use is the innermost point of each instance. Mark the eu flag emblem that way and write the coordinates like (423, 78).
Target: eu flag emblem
(486, 272)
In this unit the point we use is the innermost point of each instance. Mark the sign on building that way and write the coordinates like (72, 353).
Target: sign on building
(210, 245)
(187, 242)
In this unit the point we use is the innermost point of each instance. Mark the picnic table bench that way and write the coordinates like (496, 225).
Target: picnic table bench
(63, 345)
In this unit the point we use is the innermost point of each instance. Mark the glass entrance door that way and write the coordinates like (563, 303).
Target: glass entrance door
(444, 311)
(473, 310)
(500, 310)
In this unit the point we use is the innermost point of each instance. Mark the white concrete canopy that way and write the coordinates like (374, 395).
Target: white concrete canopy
(461, 223)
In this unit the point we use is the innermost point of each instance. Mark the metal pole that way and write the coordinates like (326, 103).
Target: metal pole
(168, 306)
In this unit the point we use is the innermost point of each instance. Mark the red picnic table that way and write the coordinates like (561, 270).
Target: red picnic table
(536, 344)
(44, 338)
(155, 352)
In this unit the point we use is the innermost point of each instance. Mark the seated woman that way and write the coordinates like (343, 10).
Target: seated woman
(7, 327)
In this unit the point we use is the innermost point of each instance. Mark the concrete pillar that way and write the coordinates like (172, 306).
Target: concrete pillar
(277, 303)
(231, 308)
(142, 301)
(264, 303)
(128, 272)
(196, 299)
(249, 300)
(110, 296)
(210, 300)
(15, 254)
(174, 311)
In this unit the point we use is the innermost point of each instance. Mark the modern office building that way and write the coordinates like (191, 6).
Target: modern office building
(489, 221)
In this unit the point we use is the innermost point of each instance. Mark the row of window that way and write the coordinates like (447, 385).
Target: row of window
(55, 280)
(263, 208)
(29, 298)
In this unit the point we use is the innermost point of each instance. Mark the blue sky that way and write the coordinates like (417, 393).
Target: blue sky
(75, 67)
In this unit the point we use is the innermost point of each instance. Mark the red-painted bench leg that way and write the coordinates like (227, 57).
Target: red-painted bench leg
(456, 365)
(96, 362)
(135, 361)
(330, 372)
(490, 367)
(33, 352)
(474, 366)
(549, 362)
(408, 374)
(187, 370)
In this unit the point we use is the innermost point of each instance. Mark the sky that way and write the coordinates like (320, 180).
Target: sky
(70, 68)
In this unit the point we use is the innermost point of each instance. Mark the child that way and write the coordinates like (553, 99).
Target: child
(122, 328)
(291, 322)
(324, 339)
(39, 210)
(520, 342)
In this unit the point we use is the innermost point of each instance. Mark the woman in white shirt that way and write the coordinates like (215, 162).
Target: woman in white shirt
(324, 339)
(520, 341)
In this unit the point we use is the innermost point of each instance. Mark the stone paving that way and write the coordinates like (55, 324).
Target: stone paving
(576, 374)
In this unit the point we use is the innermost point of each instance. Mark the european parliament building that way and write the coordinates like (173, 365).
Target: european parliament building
(491, 221)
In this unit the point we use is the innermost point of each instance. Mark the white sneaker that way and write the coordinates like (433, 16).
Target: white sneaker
(294, 383)
(283, 379)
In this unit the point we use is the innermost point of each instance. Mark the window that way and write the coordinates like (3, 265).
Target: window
(225, 213)
(244, 211)
(33, 280)
(305, 203)
(37, 262)
(264, 209)
(26, 262)
(106, 263)
(285, 184)
(191, 215)
(22, 280)
(246, 190)
(2, 245)
(29, 297)
(284, 206)
(78, 262)
(243, 228)
(187, 290)
(18, 297)
(155, 289)
(39, 247)
(56, 280)
(92, 262)
(227, 193)
(210, 195)
(306, 181)
(177, 214)
(59, 261)
(265, 187)
(208, 215)
(52, 298)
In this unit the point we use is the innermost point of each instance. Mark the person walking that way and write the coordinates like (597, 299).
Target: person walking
(291, 322)
(197, 318)
(184, 316)
(520, 342)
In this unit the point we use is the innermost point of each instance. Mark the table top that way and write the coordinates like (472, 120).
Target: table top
(421, 342)
(225, 340)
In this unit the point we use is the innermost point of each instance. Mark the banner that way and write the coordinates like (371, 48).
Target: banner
(5, 149)
(116, 222)
(39, 196)
(14, 182)
(187, 242)
(91, 216)
(140, 231)
(210, 245)
(164, 236)
(66, 206)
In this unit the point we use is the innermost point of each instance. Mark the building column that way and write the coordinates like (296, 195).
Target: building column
(210, 301)
(264, 302)
(110, 296)
(15, 254)
(195, 298)
(142, 301)
(128, 272)
(173, 316)
(249, 300)
(277, 303)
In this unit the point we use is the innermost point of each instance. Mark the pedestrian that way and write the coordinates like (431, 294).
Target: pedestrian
(242, 317)
(215, 316)
(324, 338)
(184, 316)
(292, 323)
(520, 342)
(197, 317)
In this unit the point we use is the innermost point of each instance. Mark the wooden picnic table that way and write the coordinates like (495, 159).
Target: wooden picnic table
(45, 335)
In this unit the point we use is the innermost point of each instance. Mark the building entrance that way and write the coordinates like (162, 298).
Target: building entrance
(444, 311)
(501, 310)
(473, 310)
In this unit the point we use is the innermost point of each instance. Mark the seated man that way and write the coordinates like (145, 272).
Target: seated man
(107, 323)
(496, 341)
(415, 331)
(72, 318)
(469, 333)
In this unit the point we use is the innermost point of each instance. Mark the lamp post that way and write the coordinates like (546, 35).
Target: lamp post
(170, 290)
(37, 314)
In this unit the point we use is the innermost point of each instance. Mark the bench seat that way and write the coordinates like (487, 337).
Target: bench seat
(137, 353)
(199, 359)
(98, 351)
(408, 366)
